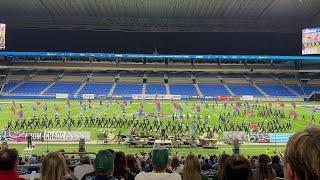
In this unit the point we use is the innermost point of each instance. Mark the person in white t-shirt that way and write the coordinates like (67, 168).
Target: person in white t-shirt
(160, 156)
(83, 169)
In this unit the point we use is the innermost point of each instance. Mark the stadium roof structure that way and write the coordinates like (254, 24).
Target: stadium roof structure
(156, 56)
(163, 15)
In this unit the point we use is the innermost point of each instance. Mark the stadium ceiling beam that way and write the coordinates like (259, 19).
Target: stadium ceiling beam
(151, 25)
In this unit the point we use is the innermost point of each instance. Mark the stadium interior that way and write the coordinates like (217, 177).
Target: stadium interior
(155, 89)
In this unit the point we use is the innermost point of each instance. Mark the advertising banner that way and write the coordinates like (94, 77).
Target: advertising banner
(53, 136)
(230, 136)
(61, 96)
(156, 96)
(269, 137)
(88, 96)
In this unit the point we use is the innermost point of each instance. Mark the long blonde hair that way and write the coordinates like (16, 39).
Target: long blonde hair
(191, 169)
(53, 167)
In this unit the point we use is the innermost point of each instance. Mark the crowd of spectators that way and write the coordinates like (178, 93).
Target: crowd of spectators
(301, 161)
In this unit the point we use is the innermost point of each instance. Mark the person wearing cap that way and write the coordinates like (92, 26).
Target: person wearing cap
(104, 165)
(160, 157)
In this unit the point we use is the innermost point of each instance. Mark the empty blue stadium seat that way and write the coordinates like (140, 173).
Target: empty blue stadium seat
(244, 89)
(10, 85)
(308, 89)
(275, 90)
(296, 88)
(96, 88)
(213, 90)
(31, 87)
(64, 87)
(128, 88)
(156, 88)
(183, 89)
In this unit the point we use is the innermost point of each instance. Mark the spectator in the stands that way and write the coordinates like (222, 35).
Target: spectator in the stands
(9, 160)
(277, 166)
(169, 169)
(84, 168)
(254, 162)
(221, 163)
(302, 155)
(133, 166)
(236, 167)
(54, 167)
(206, 165)
(104, 165)
(121, 170)
(21, 161)
(264, 170)
(160, 157)
(176, 166)
(191, 169)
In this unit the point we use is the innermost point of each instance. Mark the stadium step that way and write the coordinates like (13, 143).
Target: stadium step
(48, 87)
(228, 89)
(290, 89)
(144, 87)
(16, 87)
(284, 85)
(198, 89)
(81, 87)
(112, 89)
(260, 90)
(167, 88)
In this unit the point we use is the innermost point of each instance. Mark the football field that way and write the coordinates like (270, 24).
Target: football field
(119, 108)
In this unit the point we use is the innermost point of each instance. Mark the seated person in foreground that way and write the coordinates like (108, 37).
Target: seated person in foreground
(104, 165)
(9, 160)
(302, 155)
(160, 157)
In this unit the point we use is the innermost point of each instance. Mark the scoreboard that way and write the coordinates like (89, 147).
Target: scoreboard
(311, 41)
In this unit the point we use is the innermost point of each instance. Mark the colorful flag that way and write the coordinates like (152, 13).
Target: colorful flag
(68, 103)
(198, 109)
(13, 110)
(20, 114)
(249, 112)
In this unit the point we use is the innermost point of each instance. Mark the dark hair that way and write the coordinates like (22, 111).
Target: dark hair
(120, 166)
(221, 161)
(8, 159)
(252, 161)
(85, 160)
(175, 162)
(275, 159)
(131, 161)
(159, 168)
(265, 167)
(236, 167)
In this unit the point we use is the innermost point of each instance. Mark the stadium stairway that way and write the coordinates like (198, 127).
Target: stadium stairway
(59, 76)
(144, 87)
(82, 85)
(260, 90)
(284, 84)
(48, 87)
(5, 81)
(198, 89)
(167, 88)
(228, 89)
(26, 78)
(113, 87)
